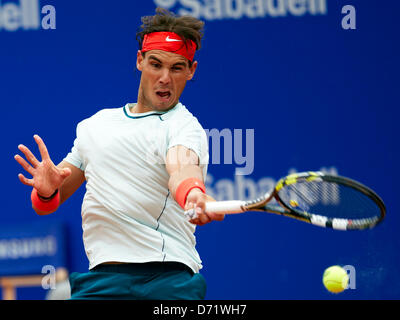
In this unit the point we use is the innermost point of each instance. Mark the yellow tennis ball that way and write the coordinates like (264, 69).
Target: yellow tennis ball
(335, 279)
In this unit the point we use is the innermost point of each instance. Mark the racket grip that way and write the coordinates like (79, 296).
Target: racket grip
(222, 207)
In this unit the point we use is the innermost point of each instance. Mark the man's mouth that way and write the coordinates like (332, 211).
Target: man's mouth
(164, 95)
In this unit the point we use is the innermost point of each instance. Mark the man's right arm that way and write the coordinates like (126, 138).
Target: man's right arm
(72, 183)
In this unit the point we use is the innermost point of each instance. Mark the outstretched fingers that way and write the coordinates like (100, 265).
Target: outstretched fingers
(29, 155)
(24, 164)
(42, 147)
(25, 181)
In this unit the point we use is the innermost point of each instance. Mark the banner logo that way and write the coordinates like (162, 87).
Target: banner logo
(26, 15)
(238, 9)
(246, 187)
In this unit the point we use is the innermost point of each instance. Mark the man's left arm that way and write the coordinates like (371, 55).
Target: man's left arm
(182, 165)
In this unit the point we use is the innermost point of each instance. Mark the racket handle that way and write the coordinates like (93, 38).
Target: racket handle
(222, 207)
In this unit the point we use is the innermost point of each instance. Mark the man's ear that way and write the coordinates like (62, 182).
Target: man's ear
(139, 60)
(192, 70)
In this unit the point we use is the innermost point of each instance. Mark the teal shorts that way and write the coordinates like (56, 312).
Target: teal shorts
(138, 281)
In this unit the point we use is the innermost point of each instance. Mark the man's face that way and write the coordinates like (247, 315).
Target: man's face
(164, 76)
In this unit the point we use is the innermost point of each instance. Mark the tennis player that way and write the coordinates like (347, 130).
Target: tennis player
(144, 164)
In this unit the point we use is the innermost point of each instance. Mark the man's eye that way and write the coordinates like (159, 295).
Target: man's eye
(156, 65)
(177, 68)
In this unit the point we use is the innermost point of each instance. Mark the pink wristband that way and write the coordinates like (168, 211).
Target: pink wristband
(185, 187)
(45, 206)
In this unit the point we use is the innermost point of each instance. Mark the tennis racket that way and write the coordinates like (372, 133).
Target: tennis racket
(323, 200)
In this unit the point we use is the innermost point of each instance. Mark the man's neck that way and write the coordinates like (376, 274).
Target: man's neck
(141, 108)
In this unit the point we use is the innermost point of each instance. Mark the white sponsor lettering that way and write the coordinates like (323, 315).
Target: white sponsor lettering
(27, 247)
(349, 20)
(238, 9)
(246, 187)
(25, 15)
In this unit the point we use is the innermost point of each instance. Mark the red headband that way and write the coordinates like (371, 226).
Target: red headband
(169, 41)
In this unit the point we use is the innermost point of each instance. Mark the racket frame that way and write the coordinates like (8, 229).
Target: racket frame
(322, 221)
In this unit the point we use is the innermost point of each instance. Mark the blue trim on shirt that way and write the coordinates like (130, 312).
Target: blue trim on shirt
(158, 224)
(138, 117)
(148, 113)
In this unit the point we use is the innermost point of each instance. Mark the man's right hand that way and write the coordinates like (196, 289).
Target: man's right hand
(46, 177)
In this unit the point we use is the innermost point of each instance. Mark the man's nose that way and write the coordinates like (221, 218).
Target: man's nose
(165, 77)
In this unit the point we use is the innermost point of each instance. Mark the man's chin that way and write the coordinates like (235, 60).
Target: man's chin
(164, 106)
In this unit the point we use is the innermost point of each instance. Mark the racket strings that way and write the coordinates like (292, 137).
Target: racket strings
(328, 199)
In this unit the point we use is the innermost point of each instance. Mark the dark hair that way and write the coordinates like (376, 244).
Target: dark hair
(186, 27)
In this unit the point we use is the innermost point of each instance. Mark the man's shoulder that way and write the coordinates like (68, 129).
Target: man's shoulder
(108, 112)
(179, 114)
(183, 122)
(104, 113)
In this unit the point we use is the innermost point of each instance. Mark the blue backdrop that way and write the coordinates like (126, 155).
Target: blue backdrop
(318, 96)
